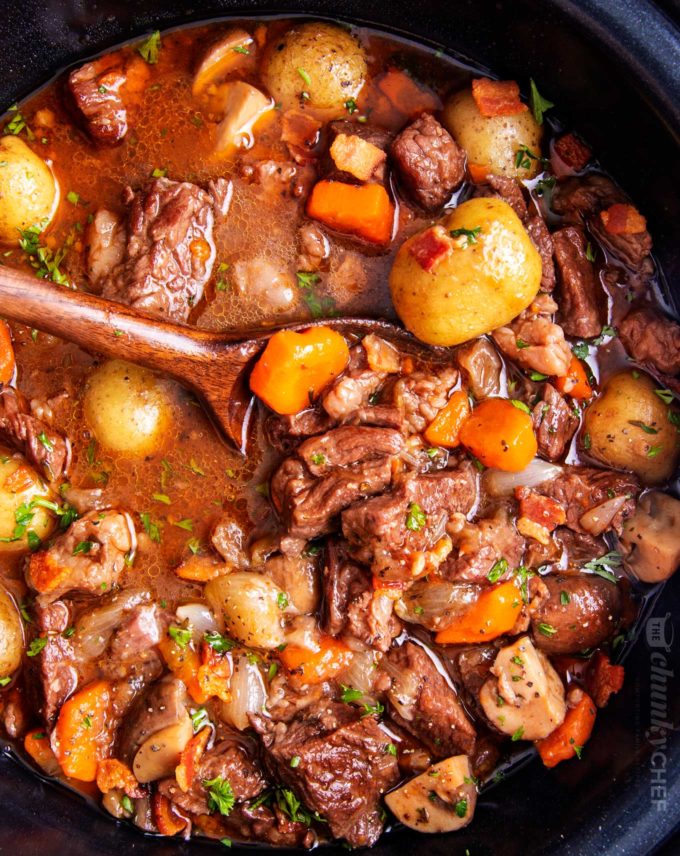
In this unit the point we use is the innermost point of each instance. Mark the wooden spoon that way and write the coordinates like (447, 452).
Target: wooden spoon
(214, 365)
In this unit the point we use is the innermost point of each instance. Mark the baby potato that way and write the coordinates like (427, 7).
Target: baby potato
(19, 485)
(28, 190)
(322, 60)
(628, 427)
(493, 142)
(11, 635)
(491, 274)
(128, 408)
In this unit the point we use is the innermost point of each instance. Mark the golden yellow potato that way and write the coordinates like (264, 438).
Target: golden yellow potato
(492, 273)
(21, 521)
(494, 142)
(128, 408)
(628, 428)
(322, 60)
(28, 190)
(11, 635)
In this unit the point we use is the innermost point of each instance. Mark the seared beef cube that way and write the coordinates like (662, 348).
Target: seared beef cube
(45, 448)
(652, 339)
(507, 189)
(579, 288)
(110, 536)
(534, 341)
(54, 671)
(479, 545)
(399, 533)
(555, 424)
(95, 88)
(432, 712)
(543, 241)
(169, 253)
(337, 763)
(352, 606)
(573, 612)
(429, 162)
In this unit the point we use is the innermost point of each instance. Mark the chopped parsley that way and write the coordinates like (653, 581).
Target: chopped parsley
(199, 719)
(497, 570)
(653, 451)
(391, 749)
(580, 350)
(646, 428)
(602, 566)
(565, 598)
(349, 694)
(150, 48)
(524, 156)
(87, 722)
(320, 306)
(470, 235)
(608, 332)
(126, 804)
(416, 517)
(539, 104)
(282, 600)
(83, 547)
(151, 528)
(351, 106)
(36, 646)
(587, 442)
(665, 395)
(318, 459)
(161, 497)
(4, 681)
(523, 575)
(295, 761)
(518, 734)
(521, 344)
(520, 405)
(17, 123)
(180, 635)
(590, 252)
(220, 795)
(73, 197)
(547, 629)
(241, 50)
(373, 709)
(538, 376)
(194, 468)
(159, 172)
(305, 77)
(186, 523)
(219, 643)
(461, 808)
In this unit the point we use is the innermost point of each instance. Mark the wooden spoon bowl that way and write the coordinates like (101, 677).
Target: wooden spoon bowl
(214, 365)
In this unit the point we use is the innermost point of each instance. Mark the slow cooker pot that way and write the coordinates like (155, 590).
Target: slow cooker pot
(613, 67)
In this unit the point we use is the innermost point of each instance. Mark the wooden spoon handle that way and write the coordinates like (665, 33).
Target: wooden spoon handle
(101, 325)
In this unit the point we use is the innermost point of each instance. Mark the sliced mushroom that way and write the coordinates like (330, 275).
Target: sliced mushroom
(442, 799)
(244, 105)
(159, 754)
(163, 705)
(221, 58)
(525, 696)
(650, 541)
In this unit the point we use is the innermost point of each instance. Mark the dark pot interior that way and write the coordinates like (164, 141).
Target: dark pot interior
(614, 69)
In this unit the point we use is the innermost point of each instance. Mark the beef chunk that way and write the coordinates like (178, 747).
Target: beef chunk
(580, 546)
(229, 539)
(579, 287)
(95, 88)
(652, 339)
(429, 163)
(56, 676)
(343, 768)
(555, 424)
(478, 546)
(580, 488)
(279, 180)
(481, 367)
(580, 199)
(355, 462)
(352, 607)
(226, 760)
(399, 534)
(109, 536)
(534, 341)
(507, 189)
(169, 252)
(592, 613)
(421, 395)
(602, 679)
(433, 712)
(314, 247)
(543, 241)
(354, 389)
(41, 445)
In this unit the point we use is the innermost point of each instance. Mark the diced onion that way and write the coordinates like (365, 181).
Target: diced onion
(499, 483)
(598, 518)
(303, 632)
(94, 629)
(405, 685)
(248, 694)
(250, 605)
(436, 604)
(361, 673)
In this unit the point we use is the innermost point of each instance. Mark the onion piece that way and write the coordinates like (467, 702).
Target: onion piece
(248, 694)
(404, 689)
(598, 518)
(200, 618)
(361, 674)
(249, 604)
(436, 604)
(94, 629)
(303, 631)
(500, 483)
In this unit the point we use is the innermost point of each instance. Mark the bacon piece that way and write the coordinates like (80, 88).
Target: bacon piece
(112, 773)
(185, 771)
(167, 822)
(356, 156)
(431, 247)
(622, 219)
(603, 679)
(541, 509)
(497, 97)
(572, 151)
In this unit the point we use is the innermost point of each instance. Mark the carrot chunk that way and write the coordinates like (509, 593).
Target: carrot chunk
(81, 730)
(567, 740)
(364, 211)
(7, 363)
(575, 381)
(497, 97)
(37, 744)
(312, 667)
(494, 613)
(444, 430)
(295, 367)
(500, 435)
